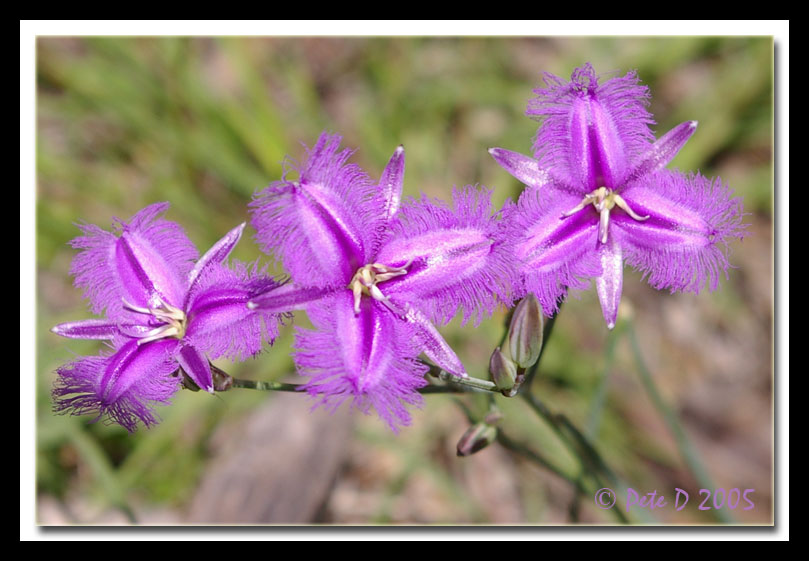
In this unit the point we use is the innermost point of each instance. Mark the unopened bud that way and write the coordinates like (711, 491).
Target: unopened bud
(476, 438)
(503, 370)
(186, 380)
(221, 379)
(525, 332)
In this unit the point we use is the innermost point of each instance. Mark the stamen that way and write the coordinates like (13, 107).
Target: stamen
(604, 200)
(138, 309)
(356, 286)
(603, 225)
(585, 201)
(161, 333)
(619, 200)
(174, 321)
(365, 280)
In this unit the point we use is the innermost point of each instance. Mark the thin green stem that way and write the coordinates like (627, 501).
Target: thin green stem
(573, 437)
(579, 444)
(454, 385)
(535, 457)
(266, 386)
(684, 446)
(102, 469)
(443, 389)
(462, 384)
(597, 405)
(475, 384)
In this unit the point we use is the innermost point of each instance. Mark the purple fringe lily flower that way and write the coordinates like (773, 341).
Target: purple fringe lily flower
(164, 308)
(598, 195)
(374, 275)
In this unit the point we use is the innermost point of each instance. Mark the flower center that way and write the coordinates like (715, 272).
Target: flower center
(366, 278)
(174, 321)
(604, 200)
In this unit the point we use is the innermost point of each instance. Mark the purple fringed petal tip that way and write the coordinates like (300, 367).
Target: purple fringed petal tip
(455, 256)
(323, 226)
(367, 359)
(122, 388)
(590, 132)
(683, 246)
(145, 265)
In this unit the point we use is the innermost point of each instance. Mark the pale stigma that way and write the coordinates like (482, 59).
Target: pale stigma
(604, 200)
(365, 281)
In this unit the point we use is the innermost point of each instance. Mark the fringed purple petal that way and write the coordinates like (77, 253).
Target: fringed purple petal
(196, 366)
(433, 345)
(659, 154)
(153, 259)
(684, 243)
(390, 184)
(87, 329)
(147, 263)
(610, 281)
(322, 226)
(134, 365)
(457, 256)
(367, 359)
(76, 388)
(220, 322)
(590, 133)
(121, 388)
(553, 253)
(92, 268)
(218, 254)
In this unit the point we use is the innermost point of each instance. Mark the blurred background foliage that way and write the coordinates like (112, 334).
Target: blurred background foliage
(205, 122)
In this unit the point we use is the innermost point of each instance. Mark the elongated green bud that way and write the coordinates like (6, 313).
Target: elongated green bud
(503, 370)
(525, 332)
(476, 438)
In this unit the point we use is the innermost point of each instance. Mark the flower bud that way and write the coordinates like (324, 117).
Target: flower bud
(476, 438)
(525, 332)
(503, 370)
(222, 381)
(186, 380)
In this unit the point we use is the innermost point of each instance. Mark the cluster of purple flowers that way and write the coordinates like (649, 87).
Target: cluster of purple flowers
(376, 273)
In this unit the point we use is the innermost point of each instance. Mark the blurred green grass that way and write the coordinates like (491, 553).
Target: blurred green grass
(204, 122)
